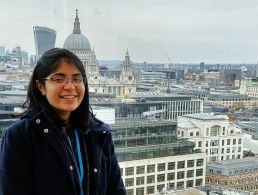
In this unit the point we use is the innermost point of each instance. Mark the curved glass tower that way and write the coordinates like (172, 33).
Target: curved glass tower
(45, 39)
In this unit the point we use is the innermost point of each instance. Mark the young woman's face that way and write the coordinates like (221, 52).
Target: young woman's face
(64, 89)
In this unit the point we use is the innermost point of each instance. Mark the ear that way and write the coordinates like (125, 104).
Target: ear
(41, 87)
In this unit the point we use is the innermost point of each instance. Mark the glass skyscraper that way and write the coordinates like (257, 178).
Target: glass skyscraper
(45, 39)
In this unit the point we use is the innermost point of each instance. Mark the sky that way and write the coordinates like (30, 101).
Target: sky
(155, 31)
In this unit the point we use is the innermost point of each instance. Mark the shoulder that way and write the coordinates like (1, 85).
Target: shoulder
(20, 128)
(97, 125)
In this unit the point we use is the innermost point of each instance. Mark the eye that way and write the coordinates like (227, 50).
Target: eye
(78, 79)
(58, 79)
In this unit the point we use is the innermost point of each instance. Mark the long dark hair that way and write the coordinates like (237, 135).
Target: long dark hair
(46, 65)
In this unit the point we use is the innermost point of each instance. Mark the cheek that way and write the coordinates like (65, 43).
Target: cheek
(51, 93)
(81, 91)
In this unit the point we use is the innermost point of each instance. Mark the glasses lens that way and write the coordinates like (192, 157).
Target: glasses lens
(58, 78)
(77, 80)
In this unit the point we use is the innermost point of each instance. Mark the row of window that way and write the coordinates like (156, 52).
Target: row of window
(162, 177)
(161, 187)
(216, 142)
(213, 132)
(162, 167)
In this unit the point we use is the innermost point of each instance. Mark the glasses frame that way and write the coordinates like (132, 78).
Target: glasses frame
(66, 80)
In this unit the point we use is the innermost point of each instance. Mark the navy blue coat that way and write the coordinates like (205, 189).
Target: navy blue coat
(34, 162)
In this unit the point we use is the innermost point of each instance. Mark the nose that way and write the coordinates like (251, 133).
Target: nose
(69, 83)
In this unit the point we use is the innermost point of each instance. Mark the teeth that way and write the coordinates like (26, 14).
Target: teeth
(68, 96)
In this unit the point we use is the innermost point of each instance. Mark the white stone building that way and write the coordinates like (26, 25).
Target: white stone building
(80, 45)
(151, 176)
(212, 134)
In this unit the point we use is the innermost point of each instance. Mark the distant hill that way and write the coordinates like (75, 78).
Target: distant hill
(110, 64)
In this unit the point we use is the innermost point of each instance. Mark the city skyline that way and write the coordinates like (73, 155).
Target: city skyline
(186, 31)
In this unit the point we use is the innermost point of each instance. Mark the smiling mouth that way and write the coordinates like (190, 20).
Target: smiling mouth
(68, 96)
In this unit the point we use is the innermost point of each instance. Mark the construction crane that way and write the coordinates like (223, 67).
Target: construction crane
(170, 63)
(168, 74)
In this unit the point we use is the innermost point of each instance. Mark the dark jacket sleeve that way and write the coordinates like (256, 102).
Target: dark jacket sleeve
(116, 185)
(15, 163)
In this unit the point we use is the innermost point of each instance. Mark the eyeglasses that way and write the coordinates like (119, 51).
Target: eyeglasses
(62, 80)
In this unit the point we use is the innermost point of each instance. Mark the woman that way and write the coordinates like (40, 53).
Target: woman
(58, 147)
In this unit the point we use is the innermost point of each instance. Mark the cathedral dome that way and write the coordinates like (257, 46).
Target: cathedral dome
(76, 40)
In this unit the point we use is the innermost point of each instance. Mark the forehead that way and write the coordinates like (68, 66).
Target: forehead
(66, 67)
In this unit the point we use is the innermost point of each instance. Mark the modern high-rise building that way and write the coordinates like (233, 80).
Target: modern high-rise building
(45, 39)
(153, 160)
(2, 51)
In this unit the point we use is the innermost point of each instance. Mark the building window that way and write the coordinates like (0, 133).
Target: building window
(191, 134)
(140, 170)
(129, 182)
(190, 173)
(189, 183)
(139, 191)
(160, 187)
(129, 171)
(228, 142)
(199, 172)
(215, 130)
(190, 163)
(199, 162)
(171, 185)
(181, 164)
(180, 185)
(139, 180)
(198, 182)
(161, 167)
(234, 141)
(171, 165)
(150, 190)
(180, 174)
(161, 177)
(151, 179)
(129, 191)
(199, 144)
(150, 168)
(170, 176)
(239, 141)
(121, 170)
(197, 133)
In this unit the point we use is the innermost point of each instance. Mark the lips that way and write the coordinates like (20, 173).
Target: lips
(68, 96)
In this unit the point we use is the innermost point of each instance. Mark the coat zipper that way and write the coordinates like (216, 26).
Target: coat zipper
(100, 156)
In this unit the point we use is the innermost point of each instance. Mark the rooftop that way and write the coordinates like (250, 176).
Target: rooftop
(234, 166)
(206, 116)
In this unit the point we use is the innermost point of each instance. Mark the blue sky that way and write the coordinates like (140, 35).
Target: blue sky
(188, 31)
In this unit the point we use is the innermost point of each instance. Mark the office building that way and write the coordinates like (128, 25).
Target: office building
(235, 101)
(212, 134)
(153, 160)
(152, 105)
(44, 38)
(240, 174)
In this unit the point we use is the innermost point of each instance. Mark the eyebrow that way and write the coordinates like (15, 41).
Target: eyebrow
(62, 74)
